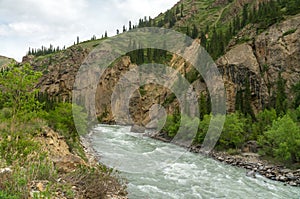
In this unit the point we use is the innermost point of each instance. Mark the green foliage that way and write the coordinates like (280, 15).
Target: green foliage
(5, 195)
(18, 90)
(203, 128)
(192, 75)
(281, 98)
(233, 134)
(61, 119)
(243, 100)
(289, 32)
(189, 126)
(43, 50)
(169, 99)
(171, 126)
(295, 114)
(263, 123)
(16, 147)
(203, 109)
(296, 91)
(282, 140)
(292, 6)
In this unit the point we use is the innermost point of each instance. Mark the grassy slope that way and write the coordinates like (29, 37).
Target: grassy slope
(4, 61)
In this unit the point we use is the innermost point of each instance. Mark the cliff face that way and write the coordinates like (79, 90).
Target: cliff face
(59, 70)
(276, 50)
(260, 60)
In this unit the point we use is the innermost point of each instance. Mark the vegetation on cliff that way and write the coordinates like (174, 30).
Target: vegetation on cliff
(38, 162)
(269, 125)
(219, 26)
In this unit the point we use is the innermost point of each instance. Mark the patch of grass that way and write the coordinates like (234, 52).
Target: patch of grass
(289, 32)
(169, 99)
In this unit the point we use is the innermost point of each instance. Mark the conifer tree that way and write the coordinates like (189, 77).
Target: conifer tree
(194, 32)
(280, 102)
(181, 10)
(130, 25)
(245, 15)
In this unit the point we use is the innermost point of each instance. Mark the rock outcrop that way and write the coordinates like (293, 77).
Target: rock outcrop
(276, 50)
(260, 60)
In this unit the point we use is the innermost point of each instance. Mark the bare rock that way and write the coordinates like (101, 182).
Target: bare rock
(137, 129)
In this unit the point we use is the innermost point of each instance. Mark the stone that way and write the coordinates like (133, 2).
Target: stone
(5, 170)
(282, 178)
(293, 183)
(285, 170)
(40, 186)
(251, 174)
(137, 129)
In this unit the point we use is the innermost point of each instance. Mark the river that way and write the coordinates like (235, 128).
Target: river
(158, 170)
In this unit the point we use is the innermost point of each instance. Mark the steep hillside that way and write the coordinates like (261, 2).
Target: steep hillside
(262, 60)
(256, 53)
(5, 61)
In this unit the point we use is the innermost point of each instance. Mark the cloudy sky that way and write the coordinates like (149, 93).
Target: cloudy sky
(33, 23)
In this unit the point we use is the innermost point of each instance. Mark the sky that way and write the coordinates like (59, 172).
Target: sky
(33, 23)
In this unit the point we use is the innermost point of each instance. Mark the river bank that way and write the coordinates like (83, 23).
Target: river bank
(155, 169)
(94, 159)
(54, 169)
(249, 161)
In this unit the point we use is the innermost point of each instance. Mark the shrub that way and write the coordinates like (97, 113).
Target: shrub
(264, 121)
(171, 126)
(282, 140)
(202, 129)
(61, 119)
(233, 134)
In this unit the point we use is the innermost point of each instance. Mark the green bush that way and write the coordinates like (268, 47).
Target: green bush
(5, 195)
(233, 134)
(171, 126)
(189, 126)
(202, 129)
(282, 140)
(289, 32)
(5, 114)
(263, 123)
(61, 119)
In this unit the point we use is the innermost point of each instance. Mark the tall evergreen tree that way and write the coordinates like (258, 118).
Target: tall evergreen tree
(130, 25)
(194, 32)
(280, 103)
(245, 15)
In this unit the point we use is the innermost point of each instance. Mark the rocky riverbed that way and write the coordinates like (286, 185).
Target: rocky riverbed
(255, 165)
(250, 161)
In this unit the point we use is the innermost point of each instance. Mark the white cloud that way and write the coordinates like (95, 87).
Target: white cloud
(31, 23)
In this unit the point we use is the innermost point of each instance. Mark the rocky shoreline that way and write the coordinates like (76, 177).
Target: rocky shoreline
(94, 159)
(255, 165)
(249, 161)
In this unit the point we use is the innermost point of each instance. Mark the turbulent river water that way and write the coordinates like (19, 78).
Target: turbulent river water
(158, 170)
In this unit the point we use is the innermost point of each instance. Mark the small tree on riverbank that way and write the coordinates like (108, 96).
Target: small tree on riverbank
(17, 87)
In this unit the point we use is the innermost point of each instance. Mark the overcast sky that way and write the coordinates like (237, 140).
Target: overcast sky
(33, 23)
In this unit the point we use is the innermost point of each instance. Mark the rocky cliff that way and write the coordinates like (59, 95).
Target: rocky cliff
(261, 59)
(258, 57)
